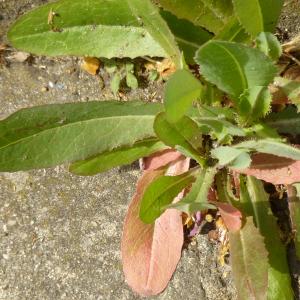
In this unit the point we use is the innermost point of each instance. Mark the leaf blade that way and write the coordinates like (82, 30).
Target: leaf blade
(209, 14)
(273, 169)
(76, 23)
(49, 135)
(256, 204)
(247, 248)
(181, 90)
(117, 157)
(234, 67)
(141, 246)
(264, 12)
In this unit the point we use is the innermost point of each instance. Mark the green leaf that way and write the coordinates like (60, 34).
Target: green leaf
(270, 146)
(258, 15)
(148, 16)
(233, 31)
(210, 14)
(185, 133)
(117, 157)
(162, 192)
(290, 88)
(188, 36)
(256, 203)
(255, 103)
(249, 261)
(234, 158)
(49, 135)
(269, 44)
(181, 90)
(115, 83)
(131, 81)
(102, 29)
(285, 121)
(196, 199)
(234, 67)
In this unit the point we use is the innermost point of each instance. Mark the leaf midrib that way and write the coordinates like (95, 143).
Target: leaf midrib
(79, 28)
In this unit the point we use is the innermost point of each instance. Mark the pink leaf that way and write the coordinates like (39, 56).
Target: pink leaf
(230, 215)
(150, 252)
(159, 159)
(274, 169)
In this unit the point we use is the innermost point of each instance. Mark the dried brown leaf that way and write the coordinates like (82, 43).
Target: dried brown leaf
(91, 65)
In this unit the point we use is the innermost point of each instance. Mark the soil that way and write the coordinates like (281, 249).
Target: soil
(60, 233)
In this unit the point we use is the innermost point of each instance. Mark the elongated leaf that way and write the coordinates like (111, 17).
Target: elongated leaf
(285, 121)
(234, 67)
(181, 90)
(185, 133)
(256, 204)
(150, 252)
(102, 29)
(294, 206)
(188, 36)
(264, 12)
(273, 169)
(269, 44)
(197, 198)
(48, 135)
(116, 157)
(148, 16)
(249, 261)
(161, 192)
(206, 13)
(270, 146)
(255, 103)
